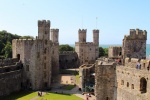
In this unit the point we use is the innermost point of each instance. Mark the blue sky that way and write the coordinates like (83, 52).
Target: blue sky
(115, 17)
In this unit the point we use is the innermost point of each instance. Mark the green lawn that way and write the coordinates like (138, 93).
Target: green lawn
(28, 95)
(23, 95)
(54, 96)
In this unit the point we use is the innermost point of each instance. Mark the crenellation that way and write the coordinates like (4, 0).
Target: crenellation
(43, 23)
(137, 34)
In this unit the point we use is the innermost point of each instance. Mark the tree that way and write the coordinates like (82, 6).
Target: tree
(65, 47)
(106, 51)
(103, 51)
(7, 50)
(27, 37)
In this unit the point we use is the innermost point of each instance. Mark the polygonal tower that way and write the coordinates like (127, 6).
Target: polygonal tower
(96, 37)
(134, 45)
(54, 35)
(82, 35)
(44, 29)
(55, 52)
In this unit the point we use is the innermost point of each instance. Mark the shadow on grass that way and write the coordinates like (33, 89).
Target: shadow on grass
(59, 93)
(16, 95)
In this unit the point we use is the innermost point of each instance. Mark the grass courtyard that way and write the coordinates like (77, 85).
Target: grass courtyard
(54, 96)
(28, 95)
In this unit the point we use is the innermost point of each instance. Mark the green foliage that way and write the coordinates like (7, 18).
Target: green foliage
(65, 47)
(6, 42)
(7, 50)
(27, 37)
(103, 51)
(106, 51)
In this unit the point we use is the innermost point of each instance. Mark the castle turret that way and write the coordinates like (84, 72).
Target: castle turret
(54, 35)
(96, 37)
(82, 35)
(134, 44)
(44, 29)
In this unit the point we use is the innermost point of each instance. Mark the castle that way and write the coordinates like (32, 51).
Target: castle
(37, 61)
(123, 75)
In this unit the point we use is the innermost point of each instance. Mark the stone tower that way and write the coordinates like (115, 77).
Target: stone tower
(40, 57)
(82, 35)
(96, 37)
(87, 52)
(134, 44)
(55, 52)
(54, 35)
(44, 29)
(105, 80)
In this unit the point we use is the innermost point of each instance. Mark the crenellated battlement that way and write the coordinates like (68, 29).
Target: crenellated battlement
(136, 34)
(43, 23)
(95, 31)
(55, 30)
(132, 62)
(82, 30)
(115, 47)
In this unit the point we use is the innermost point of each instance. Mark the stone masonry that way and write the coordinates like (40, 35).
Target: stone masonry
(87, 52)
(39, 57)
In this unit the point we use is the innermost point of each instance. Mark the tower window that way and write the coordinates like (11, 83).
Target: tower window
(127, 84)
(143, 85)
(132, 86)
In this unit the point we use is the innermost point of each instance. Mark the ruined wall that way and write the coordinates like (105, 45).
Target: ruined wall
(86, 75)
(134, 45)
(68, 59)
(10, 82)
(87, 52)
(114, 52)
(105, 80)
(10, 76)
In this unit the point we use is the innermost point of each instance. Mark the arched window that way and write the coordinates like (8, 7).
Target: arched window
(143, 85)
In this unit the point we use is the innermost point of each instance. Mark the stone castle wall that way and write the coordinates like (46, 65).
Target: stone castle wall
(68, 59)
(134, 44)
(10, 82)
(10, 76)
(129, 83)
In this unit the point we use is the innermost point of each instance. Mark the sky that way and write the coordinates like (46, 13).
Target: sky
(114, 18)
